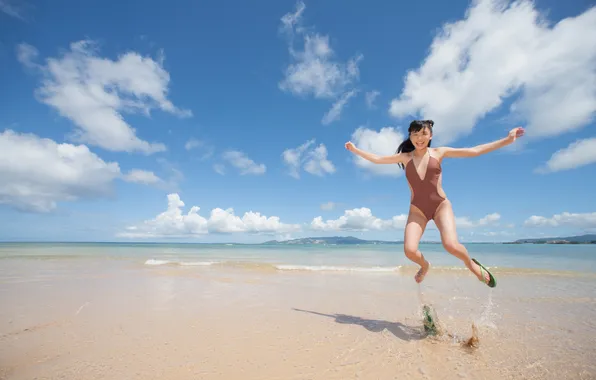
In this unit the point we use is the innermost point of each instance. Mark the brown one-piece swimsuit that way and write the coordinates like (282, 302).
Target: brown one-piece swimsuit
(426, 195)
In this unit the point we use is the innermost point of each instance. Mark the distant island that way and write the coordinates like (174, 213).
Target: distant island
(351, 240)
(331, 240)
(581, 239)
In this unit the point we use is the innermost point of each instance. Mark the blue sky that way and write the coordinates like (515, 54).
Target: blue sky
(117, 120)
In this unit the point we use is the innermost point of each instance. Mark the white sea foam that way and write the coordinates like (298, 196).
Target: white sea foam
(181, 263)
(332, 268)
(156, 262)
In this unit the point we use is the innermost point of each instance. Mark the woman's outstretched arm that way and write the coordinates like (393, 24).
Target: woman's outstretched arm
(374, 158)
(484, 148)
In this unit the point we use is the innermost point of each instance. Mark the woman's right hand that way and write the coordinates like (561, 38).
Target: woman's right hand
(350, 146)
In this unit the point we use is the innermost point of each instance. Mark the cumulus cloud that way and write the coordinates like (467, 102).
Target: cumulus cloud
(174, 223)
(362, 219)
(581, 220)
(577, 154)
(503, 51)
(383, 143)
(312, 160)
(358, 219)
(242, 163)
(315, 70)
(93, 92)
(38, 172)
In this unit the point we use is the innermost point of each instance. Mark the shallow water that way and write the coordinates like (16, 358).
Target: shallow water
(110, 312)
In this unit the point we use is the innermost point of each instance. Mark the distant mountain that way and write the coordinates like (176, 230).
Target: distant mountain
(581, 239)
(339, 240)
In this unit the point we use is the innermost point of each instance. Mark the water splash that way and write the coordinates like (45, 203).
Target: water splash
(488, 315)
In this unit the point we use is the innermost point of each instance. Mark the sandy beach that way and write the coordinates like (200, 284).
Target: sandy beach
(102, 319)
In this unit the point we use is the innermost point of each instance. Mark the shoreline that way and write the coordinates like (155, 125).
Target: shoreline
(117, 320)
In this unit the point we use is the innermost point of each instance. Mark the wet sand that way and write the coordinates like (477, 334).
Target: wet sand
(117, 320)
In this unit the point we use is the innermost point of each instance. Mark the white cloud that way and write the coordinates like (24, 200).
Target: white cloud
(362, 219)
(317, 162)
(336, 109)
(27, 54)
(38, 172)
(219, 169)
(328, 206)
(581, 220)
(173, 174)
(578, 153)
(465, 222)
(370, 98)
(313, 161)
(244, 164)
(93, 92)
(314, 70)
(142, 176)
(173, 223)
(358, 219)
(497, 52)
(383, 143)
(194, 144)
(11, 9)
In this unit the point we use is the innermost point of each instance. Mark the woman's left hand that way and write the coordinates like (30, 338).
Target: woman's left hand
(515, 133)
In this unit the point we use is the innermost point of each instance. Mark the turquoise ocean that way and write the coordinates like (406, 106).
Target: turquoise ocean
(552, 258)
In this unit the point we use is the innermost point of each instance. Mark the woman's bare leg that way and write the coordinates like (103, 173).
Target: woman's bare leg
(414, 229)
(445, 222)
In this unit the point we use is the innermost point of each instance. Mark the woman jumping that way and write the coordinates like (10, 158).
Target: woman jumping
(428, 200)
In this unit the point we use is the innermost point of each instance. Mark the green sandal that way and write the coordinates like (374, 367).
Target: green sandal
(492, 282)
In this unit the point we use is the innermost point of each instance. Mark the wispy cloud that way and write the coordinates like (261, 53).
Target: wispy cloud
(336, 109)
(328, 206)
(314, 70)
(488, 220)
(370, 98)
(577, 154)
(243, 163)
(10, 8)
(206, 149)
(142, 176)
(581, 220)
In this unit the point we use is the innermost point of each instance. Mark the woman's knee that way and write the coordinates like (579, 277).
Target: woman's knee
(452, 245)
(410, 250)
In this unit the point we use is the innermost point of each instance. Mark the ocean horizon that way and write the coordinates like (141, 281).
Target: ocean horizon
(552, 258)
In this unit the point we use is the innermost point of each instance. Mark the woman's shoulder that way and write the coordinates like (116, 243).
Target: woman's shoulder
(437, 153)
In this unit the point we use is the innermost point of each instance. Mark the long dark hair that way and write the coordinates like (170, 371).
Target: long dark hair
(406, 146)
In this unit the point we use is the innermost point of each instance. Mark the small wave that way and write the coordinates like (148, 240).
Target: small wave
(331, 268)
(157, 262)
(406, 269)
(181, 263)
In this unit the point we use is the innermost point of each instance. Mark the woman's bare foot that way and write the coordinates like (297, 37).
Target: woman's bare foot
(422, 272)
